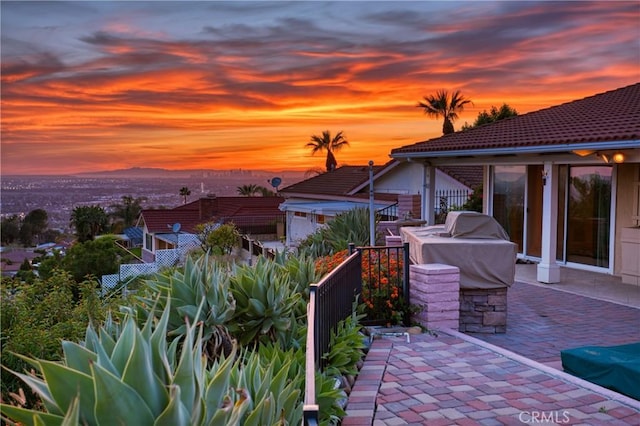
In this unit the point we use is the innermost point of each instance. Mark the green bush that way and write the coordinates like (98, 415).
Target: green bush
(352, 226)
(132, 376)
(37, 316)
(160, 360)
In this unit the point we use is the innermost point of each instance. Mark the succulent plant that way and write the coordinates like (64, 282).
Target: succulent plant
(132, 376)
(349, 227)
(200, 292)
(265, 303)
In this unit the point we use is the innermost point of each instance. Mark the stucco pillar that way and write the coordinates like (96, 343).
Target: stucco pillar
(428, 194)
(548, 269)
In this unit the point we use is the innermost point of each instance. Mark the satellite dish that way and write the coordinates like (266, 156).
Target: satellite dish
(176, 227)
(275, 182)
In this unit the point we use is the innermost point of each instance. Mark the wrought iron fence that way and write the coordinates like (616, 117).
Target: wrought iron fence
(448, 200)
(385, 284)
(330, 301)
(388, 213)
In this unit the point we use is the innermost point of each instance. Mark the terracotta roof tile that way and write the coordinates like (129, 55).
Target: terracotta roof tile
(338, 182)
(470, 176)
(608, 116)
(211, 209)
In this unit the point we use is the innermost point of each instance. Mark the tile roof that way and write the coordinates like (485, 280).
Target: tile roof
(211, 209)
(161, 220)
(612, 116)
(338, 182)
(351, 181)
(470, 176)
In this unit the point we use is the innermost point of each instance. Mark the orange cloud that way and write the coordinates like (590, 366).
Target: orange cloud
(177, 87)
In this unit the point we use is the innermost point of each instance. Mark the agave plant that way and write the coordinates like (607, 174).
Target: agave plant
(265, 303)
(136, 378)
(200, 293)
(349, 227)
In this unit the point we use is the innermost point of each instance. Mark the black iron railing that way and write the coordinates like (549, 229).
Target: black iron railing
(447, 200)
(385, 284)
(330, 301)
(388, 213)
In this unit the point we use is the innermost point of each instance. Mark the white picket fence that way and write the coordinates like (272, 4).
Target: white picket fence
(164, 259)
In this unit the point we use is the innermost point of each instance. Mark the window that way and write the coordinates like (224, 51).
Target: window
(300, 214)
(320, 218)
(148, 242)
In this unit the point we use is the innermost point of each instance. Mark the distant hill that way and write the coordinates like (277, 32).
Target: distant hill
(132, 172)
(152, 172)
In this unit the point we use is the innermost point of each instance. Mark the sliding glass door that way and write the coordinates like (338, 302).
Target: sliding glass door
(587, 201)
(508, 201)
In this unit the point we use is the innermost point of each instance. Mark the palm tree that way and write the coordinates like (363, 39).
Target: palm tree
(331, 145)
(445, 106)
(247, 190)
(89, 221)
(128, 211)
(185, 192)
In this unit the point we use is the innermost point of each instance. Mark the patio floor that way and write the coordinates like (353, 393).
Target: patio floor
(506, 379)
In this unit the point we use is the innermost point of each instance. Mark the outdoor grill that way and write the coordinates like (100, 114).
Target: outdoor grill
(471, 241)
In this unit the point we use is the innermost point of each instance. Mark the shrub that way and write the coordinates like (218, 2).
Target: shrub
(349, 227)
(132, 376)
(36, 316)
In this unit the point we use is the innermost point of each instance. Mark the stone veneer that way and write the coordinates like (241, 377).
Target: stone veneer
(483, 310)
(436, 288)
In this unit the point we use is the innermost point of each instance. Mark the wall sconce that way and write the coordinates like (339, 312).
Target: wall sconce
(618, 157)
(544, 177)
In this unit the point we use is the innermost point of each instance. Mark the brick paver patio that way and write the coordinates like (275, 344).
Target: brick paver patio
(456, 379)
(541, 322)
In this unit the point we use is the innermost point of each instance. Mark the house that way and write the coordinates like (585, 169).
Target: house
(12, 259)
(309, 204)
(564, 181)
(176, 228)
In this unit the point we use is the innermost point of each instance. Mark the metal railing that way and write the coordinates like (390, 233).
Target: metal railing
(388, 213)
(449, 199)
(385, 286)
(330, 301)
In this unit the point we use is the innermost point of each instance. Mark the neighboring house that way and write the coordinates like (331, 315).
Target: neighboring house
(11, 260)
(311, 203)
(176, 228)
(564, 181)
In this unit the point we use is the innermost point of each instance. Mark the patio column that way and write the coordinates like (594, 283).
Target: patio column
(428, 194)
(548, 268)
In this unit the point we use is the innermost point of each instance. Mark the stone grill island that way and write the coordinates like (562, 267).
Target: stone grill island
(473, 248)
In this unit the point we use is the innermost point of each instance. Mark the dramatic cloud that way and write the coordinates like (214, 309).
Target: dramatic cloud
(96, 85)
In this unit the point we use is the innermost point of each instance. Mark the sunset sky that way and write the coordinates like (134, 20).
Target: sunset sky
(90, 86)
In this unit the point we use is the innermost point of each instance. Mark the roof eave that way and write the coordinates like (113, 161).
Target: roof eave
(538, 149)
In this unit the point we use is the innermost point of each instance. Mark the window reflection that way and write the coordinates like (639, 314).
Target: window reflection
(589, 215)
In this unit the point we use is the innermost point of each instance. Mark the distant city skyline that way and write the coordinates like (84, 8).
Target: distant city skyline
(90, 86)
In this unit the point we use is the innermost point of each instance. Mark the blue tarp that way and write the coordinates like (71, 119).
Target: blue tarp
(612, 367)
